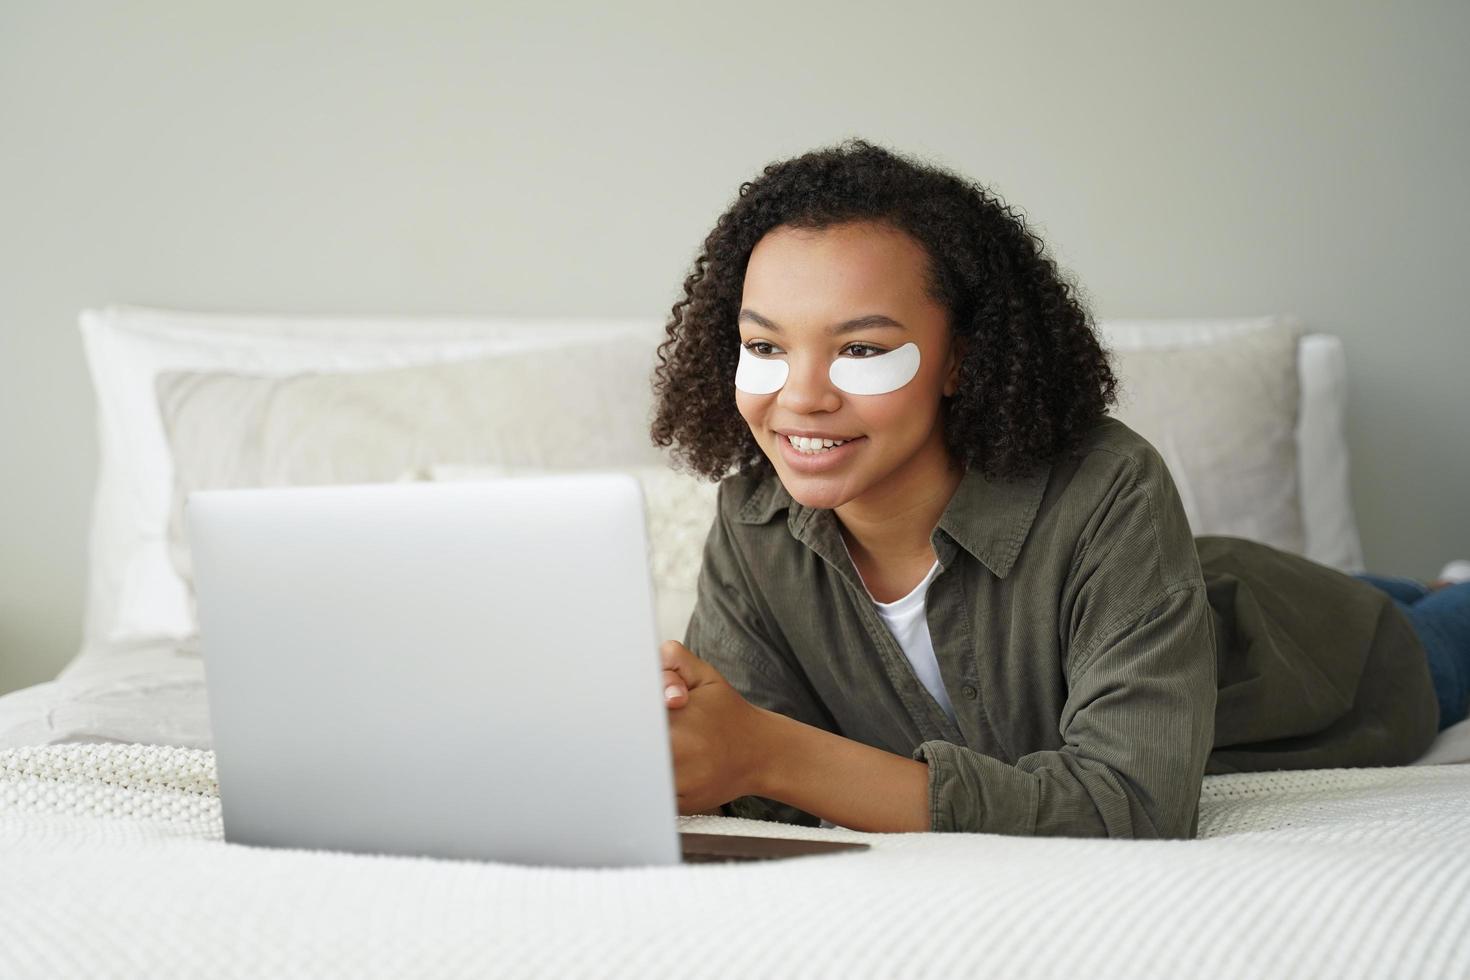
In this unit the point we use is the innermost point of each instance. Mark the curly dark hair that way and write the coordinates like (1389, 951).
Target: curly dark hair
(1033, 379)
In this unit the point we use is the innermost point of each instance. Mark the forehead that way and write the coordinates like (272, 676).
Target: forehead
(806, 277)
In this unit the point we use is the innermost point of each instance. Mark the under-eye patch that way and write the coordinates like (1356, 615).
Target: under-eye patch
(759, 375)
(876, 374)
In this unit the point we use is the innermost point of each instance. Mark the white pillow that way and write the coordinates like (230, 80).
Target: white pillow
(133, 591)
(679, 509)
(1327, 500)
(1223, 416)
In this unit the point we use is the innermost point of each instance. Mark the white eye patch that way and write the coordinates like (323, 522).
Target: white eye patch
(876, 374)
(759, 375)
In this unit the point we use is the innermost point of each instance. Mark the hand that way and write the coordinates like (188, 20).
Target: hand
(715, 734)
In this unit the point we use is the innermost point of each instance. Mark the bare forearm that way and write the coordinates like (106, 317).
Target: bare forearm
(846, 782)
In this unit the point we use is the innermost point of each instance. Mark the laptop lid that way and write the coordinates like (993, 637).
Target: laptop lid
(448, 669)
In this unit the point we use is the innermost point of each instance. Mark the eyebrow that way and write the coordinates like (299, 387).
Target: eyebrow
(847, 326)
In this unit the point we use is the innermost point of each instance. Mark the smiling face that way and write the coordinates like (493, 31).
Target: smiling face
(845, 293)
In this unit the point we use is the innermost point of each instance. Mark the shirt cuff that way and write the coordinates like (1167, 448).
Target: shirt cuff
(974, 793)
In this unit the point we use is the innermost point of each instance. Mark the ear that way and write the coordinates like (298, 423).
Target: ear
(957, 351)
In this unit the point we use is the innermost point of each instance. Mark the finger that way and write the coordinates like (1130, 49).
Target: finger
(676, 694)
(676, 657)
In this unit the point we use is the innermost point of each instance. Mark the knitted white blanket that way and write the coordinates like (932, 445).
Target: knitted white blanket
(112, 863)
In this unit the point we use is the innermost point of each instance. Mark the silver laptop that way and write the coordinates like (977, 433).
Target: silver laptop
(458, 670)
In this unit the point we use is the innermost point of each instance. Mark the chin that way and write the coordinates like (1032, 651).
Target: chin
(814, 492)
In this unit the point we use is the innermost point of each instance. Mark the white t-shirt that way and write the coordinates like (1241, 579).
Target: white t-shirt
(910, 627)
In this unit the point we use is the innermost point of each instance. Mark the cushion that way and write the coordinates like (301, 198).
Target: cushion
(1321, 438)
(1223, 415)
(579, 406)
(133, 591)
(1327, 511)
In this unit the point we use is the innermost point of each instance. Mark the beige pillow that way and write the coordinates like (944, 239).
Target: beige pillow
(582, 406)
(1224, 418)
(679, 508)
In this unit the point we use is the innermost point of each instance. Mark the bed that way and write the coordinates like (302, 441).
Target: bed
(114, 866)
(110, 841)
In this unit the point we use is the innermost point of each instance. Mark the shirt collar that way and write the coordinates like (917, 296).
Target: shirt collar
(990, 519)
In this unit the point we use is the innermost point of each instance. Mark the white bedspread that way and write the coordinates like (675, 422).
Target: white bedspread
(151, 692)
(112, 863)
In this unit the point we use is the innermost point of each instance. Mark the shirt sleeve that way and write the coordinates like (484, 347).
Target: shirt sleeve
(726, 630)
(1138, 720)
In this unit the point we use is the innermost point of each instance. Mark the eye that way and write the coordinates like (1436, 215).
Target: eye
(872, 351)
(755, 346)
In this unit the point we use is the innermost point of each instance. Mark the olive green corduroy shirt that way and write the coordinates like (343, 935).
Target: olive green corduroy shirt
(1100, 659)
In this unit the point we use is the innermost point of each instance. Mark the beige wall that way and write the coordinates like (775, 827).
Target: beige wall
(1181, 159)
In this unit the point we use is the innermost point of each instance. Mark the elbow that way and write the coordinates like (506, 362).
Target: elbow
(1098, 801)
(1174, 818)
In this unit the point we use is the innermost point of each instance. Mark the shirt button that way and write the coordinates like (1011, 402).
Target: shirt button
(968, 691)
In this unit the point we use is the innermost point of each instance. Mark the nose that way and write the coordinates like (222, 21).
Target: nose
(808, 387)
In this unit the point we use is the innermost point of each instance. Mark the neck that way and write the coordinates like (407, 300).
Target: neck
(891, 522)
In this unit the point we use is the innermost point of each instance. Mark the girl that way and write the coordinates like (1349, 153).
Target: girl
(945, 590)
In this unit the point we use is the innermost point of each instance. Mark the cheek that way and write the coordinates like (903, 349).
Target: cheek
(897, 413)
(907, 412)
(752, 408)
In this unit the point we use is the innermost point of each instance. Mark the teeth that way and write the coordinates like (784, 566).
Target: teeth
(814, 446)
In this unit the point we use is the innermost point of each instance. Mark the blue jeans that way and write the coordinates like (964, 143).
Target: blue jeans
(1442, 620)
